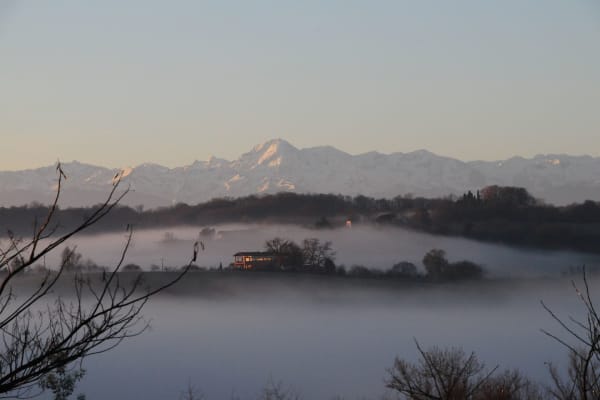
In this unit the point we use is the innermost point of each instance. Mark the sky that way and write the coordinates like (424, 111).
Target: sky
(118, 83)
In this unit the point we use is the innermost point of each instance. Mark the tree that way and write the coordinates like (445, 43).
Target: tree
(435, 263)
(404, 269)
(316, 253)
(70, 259)
(192, 393)
(132, 268)
(277, 245)
(509, 385)
(278, 391)
(100, 314)
(62, 382)
(582, 381)
(439, 374)
(438, 267)
(451, 374)
(507, 196)
(463, 270)
(288, 253)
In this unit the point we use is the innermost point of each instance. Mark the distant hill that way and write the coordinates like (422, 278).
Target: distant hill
(277, 166)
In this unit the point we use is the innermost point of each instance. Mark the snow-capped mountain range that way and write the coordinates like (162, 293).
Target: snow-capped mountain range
(277, 166)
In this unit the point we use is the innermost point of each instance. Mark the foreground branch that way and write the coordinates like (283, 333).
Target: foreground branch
(41, 333)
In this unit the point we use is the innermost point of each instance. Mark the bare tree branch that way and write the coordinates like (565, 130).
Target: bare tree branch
(42, 333)
(582, 380)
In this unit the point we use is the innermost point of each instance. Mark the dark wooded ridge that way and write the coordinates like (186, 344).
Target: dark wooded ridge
(499, 214)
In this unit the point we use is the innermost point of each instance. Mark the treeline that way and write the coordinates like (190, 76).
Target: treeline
(314, 256)
(436, 269)
(502, 214)
(511, 215)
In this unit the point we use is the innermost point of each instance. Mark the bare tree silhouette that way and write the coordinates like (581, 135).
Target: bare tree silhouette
(582, 381)
(448, 374)
(451, 374)
(42, 332)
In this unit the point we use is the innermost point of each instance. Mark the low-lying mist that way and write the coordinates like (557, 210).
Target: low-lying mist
(325, 337)
(368, 246)
(230, 333)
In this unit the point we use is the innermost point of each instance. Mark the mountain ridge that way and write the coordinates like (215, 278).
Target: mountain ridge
(277, 165)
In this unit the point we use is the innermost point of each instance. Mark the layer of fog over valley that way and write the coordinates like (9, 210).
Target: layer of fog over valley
(230, 333)
(324, 339)
(371, 247)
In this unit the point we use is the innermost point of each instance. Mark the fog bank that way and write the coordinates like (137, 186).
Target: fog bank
(369, 246)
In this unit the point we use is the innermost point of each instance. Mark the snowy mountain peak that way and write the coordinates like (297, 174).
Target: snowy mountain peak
(270, 154)
(126, 171)
(276, 166)
(274, 143)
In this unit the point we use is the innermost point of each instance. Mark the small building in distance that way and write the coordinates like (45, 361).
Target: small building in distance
(253, 260)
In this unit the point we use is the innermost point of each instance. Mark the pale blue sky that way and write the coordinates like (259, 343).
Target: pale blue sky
(119, 83)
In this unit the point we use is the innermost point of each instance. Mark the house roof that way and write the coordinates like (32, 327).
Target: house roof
(253, 254)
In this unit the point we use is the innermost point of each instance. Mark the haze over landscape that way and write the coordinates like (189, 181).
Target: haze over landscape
(276, 200)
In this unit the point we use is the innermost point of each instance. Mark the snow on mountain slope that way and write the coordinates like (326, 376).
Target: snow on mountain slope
(277, 166)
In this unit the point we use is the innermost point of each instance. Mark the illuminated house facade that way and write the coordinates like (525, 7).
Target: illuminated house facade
(253, 260)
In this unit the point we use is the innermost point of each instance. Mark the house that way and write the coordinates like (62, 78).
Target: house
(254, 260)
